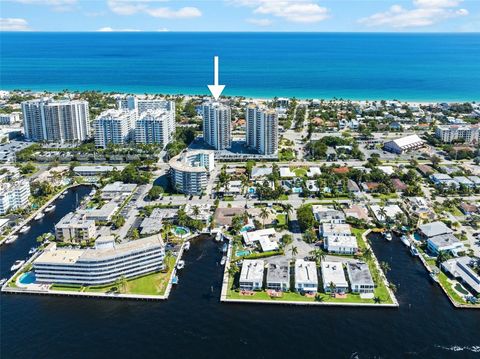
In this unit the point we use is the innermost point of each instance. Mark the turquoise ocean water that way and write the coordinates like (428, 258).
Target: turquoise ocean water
(421, 67)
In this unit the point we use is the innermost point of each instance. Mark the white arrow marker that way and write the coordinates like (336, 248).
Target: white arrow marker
(215, 89)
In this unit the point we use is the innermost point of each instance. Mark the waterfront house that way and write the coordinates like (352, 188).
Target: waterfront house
(360, 278)
(444, 243)
(266, 238)
(251, 275)
(306, 276)
(333, 277)
(356, 211)
(462, 269)
(104, 264)
(278, 276)
(341, 244)
(391, 211)
(433, 229)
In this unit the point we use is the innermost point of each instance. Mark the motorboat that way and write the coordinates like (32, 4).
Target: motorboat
(17, 265)
(433, 276)
(50, 208)
(223, 261)
(25, 229)
(180, 264)
(11, 239)
(3, 281)
(186, 246)
(175, 280)
(225, 248)
(39, 216)
(218, 237)
(32, 250)
(405, 240)
(387, 236)
(414, 251)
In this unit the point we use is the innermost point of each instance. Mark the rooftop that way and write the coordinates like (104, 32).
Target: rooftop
(252, 270)
(434, 229)
(359, 272)
(332, 272)
(306, 272)
(278, 272)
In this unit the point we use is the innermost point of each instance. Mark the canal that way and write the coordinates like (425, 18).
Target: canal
(194, 324)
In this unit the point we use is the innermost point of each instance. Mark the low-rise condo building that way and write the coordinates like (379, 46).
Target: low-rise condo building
(189, 171)
(75, 227)
(306, 276)
(117, 189)
(251, 275)
(462, 269)
(333, 277)
(360, 278)
(104, 264)
(341, 244)
(278, 276)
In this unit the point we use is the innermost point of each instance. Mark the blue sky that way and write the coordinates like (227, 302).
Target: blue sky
(241, 15)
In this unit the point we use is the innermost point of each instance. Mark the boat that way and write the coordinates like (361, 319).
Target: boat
(186, 246)
(219, 237)
(414, 251)
(32, 250)
(433, 276)
(25, 229)
(62, 196)
(39, 216)
(50, 208)
(405, 240)
(175, 280)
(180, 264)
(17, 265)
(3, 281)
(223, 261)
(11, 239)
(387, 236)
(224, 248)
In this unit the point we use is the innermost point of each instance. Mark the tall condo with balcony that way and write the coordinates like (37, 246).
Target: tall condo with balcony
(114, 127)
(262, 129)
(155, 127)
(217, 125)
(47, 120)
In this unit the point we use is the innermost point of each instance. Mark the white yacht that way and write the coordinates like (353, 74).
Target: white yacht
(219, 237)
(11, 239)
(180, 264)
(405, 240)
(414, 251)
(3, 281)
(223, 261)
(18, 264)
(32, 250)
(387, 236)
(25, 229)
(50, 208)
(39, 216)
(186, 246)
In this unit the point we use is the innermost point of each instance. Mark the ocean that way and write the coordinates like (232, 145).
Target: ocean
(415, 67)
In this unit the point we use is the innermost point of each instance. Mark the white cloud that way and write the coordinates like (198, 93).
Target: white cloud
(424, 13)
(130, 7)
(163, 29)
(109, 29)
(301, 11)
(13, 24)
(260, 22)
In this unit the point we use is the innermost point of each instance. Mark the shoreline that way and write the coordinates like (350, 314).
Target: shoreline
(412, 101)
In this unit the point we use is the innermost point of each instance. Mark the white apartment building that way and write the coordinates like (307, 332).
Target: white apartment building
(334, 277)
(251, 275)
(75, 227)
(262, 130)
(114, 127)
(155, 127)
(306, 276)
(56, 121)
(468, 133)
(189, 171)
(142, 105)
(217, 125)
(9, 118)
(104, 264)
(341, 244)
(14, 195)
(360, 278)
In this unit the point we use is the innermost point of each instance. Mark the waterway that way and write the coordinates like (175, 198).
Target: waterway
(194, 324)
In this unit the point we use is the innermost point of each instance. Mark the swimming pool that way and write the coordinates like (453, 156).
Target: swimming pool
(27, 278)
(181, 231)
(246, 228)
(242, 253)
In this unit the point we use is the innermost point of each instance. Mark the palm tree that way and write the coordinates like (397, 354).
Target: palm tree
(367, 254)
(195, 211)
(385, 267)
(332, 287)
(167, 228)
(318, 255)
(382, 213)
(377, 300)
(288, 208)
(294, 251)
(442, 257)
(232, 270)
(264, 215)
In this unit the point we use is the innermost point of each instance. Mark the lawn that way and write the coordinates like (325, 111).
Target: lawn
(281, 219)
(443, 279)
(385, 196)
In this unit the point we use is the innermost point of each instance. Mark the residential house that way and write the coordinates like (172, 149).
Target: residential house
(251, 275)
(278, 276)
(333, 277)
(360, 278)
(306, 276)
